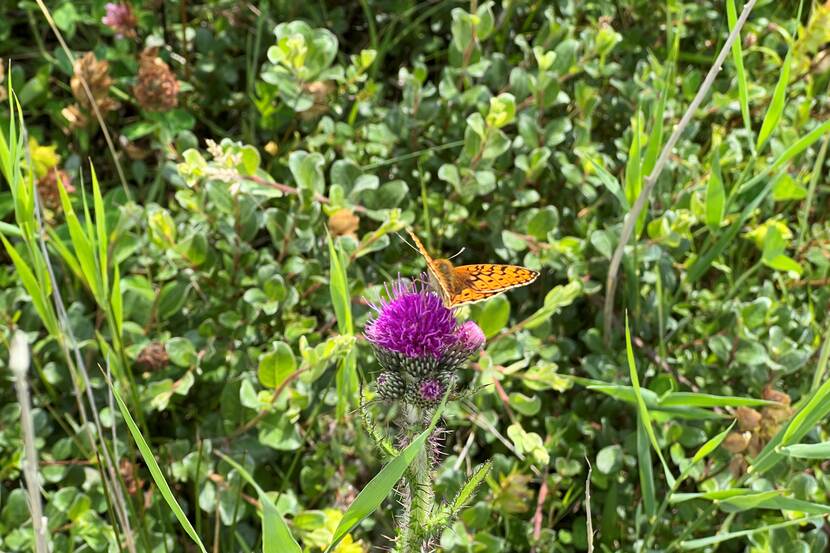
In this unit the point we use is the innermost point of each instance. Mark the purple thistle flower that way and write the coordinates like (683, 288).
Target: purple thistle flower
(413, 322)
(121, 19)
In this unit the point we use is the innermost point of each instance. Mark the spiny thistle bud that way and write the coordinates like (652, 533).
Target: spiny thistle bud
(156, 87)
(390, 385)
(121, 19)
(427, 392)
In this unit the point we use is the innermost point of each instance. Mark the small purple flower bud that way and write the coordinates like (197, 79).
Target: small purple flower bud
(431, 390)
(470, 337)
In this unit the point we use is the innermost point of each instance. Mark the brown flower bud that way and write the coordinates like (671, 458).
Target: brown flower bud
(748, 418)
(320, 91)
(96, 75)
(156, 87)
(153, 356)
(738, 466)
(737, 442)
(343, 222)
(47, 187)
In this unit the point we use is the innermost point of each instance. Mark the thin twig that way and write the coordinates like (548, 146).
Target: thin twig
(590, 525)
(651, 180)
(19, 365)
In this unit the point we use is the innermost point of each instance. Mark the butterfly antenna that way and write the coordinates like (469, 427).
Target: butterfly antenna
(405, 241)
(457, 254)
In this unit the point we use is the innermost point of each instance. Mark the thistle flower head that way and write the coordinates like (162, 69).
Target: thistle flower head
(412, 322)
(419, 344)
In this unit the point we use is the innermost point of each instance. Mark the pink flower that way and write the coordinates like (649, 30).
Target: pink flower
(121, 19)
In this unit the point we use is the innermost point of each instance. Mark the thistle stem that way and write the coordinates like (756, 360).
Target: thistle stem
(418, 496)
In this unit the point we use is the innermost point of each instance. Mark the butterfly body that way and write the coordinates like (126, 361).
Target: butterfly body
(472, 283)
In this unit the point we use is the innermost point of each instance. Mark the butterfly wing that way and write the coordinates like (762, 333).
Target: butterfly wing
(484, 280)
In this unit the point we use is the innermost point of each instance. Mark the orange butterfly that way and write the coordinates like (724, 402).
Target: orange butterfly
(472, 283)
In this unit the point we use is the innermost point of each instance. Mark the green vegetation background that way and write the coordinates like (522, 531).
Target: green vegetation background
(196, 270)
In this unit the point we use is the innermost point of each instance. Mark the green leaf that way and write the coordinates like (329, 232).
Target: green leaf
(171, 299)
(155, 471)
(181, 352)
(502, 110)
(277, 366)
(711, 445)
(609, 459)
(557, 298)
(493, 316)
(525, 405)
(776, 106)
(715, 195)
(276, 536)
(307, 170)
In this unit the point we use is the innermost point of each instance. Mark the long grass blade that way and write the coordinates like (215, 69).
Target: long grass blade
(155, 471)
(645, 416)
(776, 106)
(738, 60)
(720, 538)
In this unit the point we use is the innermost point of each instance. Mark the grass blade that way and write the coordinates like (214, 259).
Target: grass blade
(347, 383)
(634, 173)
(702, 263)
(711, 445)
(646, 471)
(155, 471)
(776, 106)
(715, 195)
(738, 60)
(811, 190)
(645, 417)
(276, 537)
(100, 231)
(807, 451)
(696, 399)
(719, 538)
